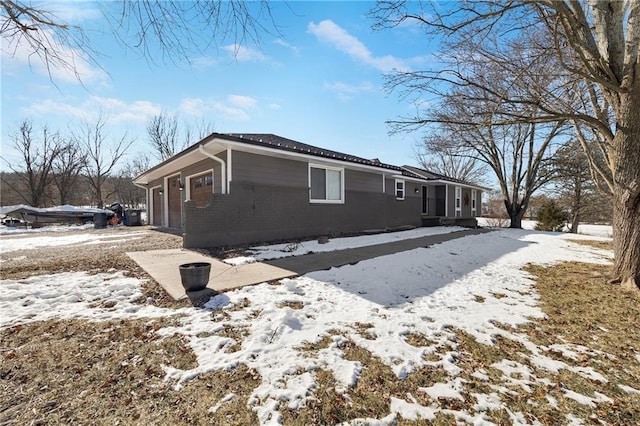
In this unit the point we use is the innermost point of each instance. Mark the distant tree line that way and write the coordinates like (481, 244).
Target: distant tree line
(85, 166)
(78, 168)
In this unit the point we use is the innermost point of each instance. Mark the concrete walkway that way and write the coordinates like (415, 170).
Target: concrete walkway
(301, 265)
(163, 265)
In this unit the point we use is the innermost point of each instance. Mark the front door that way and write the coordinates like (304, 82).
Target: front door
(157, 207)
(425, 200)
(174, 201)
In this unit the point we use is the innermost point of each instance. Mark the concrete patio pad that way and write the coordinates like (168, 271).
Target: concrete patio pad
(163, 265)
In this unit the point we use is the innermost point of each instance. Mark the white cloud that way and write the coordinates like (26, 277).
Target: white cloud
(329, 32)
(289, 46)
(233, 108)
(203, 62)
(193, 106)
(74, 68)
(246, 102)
(115, 110)
(231, 113)
(245, 54)
(275, 107)
(74, 12)
(51, 107)
(346, 91)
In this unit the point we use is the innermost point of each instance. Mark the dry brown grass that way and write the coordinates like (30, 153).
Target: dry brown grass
(370, 397)
(79, 372)
(603, 245)
(582, 309)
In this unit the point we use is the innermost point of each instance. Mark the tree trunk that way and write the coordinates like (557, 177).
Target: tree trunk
(626, 194)
(575, 222)
(516, 212)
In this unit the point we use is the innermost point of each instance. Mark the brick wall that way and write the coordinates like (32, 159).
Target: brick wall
(255, 213)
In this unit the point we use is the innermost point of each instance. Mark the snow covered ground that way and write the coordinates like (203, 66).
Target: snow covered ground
(276, 251)
(604, 231)
(34, 238)
(420, 291)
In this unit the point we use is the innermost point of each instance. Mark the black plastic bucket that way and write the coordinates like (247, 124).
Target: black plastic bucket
(195, 276)
(99, 220)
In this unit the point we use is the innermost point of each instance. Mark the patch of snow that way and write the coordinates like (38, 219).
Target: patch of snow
(449, 390)
(603, 231)
(552, 401)
(511, 369)
(572, 420)
(586, 400)
(26, 243)
(589, 373)
(480, 375)
(240, 260)
(487, 402)
(20, 230)
(73, 295)
(411, 410)
(595, 230)
(277, 251)
(228, 397)
(628, 389)
(579, 398)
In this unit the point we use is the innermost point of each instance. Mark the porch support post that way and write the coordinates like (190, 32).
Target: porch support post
(446, 200)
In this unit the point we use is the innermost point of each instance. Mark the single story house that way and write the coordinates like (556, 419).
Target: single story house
(232, 189)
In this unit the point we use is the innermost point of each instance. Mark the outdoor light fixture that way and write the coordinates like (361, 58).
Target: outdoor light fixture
(180, 184)
(416, 190)
(160, 192)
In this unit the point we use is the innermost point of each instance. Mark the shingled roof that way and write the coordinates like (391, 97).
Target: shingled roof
(278, 142)
(429, 175)
(268, 140)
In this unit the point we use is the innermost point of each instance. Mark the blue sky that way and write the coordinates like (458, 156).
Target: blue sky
(319, 81)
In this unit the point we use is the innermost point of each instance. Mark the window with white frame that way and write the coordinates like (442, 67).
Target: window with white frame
(326, 184)
(458, 201)
(399, 189)
(473, 202)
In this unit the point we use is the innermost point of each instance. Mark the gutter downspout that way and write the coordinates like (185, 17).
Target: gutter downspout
(146, 194)
(223, 184)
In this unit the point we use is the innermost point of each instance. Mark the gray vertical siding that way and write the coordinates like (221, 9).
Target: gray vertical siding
(265, 170)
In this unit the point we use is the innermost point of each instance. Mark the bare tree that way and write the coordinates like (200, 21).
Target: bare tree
(163, 135)
(198, 131)
(167, 136)
(128, 194)
(100, 157)
(595, 46)
(439, 153)
(34, 171)
(66, 170)
(472, 122)
(177, 29)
